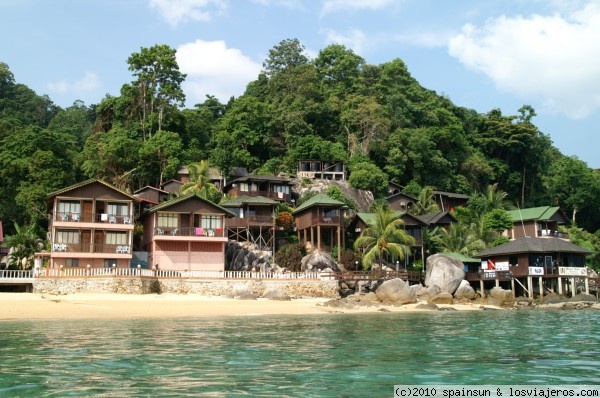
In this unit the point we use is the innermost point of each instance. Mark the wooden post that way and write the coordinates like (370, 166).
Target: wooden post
(560, 285)
(541, 280)
(573, 287)
(512, 287)
(339, 242)
(481, 288)
(587, 285)
(530, 286)
(497, 282)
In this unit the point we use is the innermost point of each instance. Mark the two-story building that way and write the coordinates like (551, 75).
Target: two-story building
(320, 221)
(91, 226)
(254, 220)
(186, 233)
(540, 221)
(268, 186)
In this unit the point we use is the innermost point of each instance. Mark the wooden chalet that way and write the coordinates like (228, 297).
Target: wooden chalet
(186, 233)
(448, 201)
(171, 186)
(558, 265)
(254, 220)
(400, 201)
(268, 186)
(538, 222)
(91, 226)
(320, 221)
(437, 219)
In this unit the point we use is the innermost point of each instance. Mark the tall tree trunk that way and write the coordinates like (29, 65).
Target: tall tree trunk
(523, 187)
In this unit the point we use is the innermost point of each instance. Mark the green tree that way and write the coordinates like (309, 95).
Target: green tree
(386, 236)
(458, 238)
(368, 176)
(425, 203)
(160, 154)
(158, 85)
(23, 244)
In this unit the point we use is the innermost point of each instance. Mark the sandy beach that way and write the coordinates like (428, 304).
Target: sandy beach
(22, 306)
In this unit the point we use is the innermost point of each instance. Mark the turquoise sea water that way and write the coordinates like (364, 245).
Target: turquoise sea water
(339, 355)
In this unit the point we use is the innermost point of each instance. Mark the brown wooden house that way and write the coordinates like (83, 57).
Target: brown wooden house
(320, 221)
(254, 220)
(91, 225)
(186, 233)
(538, 222)
(268, 186)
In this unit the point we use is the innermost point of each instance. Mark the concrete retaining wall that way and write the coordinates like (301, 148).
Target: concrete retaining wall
(143, 285)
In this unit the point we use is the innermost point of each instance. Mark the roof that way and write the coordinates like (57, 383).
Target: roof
(319, 200)
(401, 195)
(451, 194)
(150, 188)
(528, 244)
(262, 177)
(435, 217)
(88, 182)
(461, 257)
(249, 200)
(542, 213)
(183, 198)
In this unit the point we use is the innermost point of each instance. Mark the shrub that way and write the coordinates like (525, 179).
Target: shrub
(290, 256)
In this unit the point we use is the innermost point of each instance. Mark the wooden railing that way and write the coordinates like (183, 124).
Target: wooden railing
(190, 231)
(249, 221)
(85, 248)
(93, 218)
(325, 220)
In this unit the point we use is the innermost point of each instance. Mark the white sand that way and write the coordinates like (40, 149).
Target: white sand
(82, 306)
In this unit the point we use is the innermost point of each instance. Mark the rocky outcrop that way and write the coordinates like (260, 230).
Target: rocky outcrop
(465, 291)
(441, 298)
(318, 261)
(445, 272)
(396, 291)
(246, 257)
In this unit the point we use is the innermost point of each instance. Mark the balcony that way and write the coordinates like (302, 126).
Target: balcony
(198, 232)
(87, 248)
(280, 196)
(550, 233)
(93, 218)
(251, 221)
(333, 221)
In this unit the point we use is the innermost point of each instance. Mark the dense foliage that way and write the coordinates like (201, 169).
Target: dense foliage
(377, 118)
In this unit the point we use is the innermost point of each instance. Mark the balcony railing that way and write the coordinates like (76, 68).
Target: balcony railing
(326, 220)
(269, 194)
(250, 221)
(550, 233)
(86, 248)
(94, 218)
(189, 232)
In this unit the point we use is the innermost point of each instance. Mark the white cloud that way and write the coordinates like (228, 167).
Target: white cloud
(340, 5)
(177, 11)
(88, 83)
(551, 59)
(355, 39)
(214, 69)
(292, 4)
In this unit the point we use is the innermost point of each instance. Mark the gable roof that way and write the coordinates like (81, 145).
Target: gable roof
(263, 177)
(249, 200)
(436, 217)
(528, 244)
(150, 188)
(319, 200)
(400, 195)
(451, 195)
(542, 213)
(183, 198)
(368, 218)
(89, 182)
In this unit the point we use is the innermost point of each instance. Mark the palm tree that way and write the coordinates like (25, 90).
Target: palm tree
(384, 236)
(425, 203)
(23, 245)
(200, 183)
(496, 199)
(459, 238)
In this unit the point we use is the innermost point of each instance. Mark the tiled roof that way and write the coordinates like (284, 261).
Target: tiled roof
(534, 245)
(88, 182)
(319, 200)
(244, 200)
(533, 213)
(183, 198)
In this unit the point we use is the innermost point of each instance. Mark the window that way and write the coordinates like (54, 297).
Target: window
(69, 207)
(330, 212)
(281, 188)
(211, 222)
(167, 220)
(118, 209)
(116, 238)
(109, 262)
(67, 236)
(72, 262)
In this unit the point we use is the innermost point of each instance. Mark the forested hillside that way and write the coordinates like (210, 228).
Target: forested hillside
(377, 118)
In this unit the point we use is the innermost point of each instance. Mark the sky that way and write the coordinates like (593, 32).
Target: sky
(483, 55)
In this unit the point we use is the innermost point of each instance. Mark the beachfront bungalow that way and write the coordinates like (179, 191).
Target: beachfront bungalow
(91, 226)
(186, 233)
(269, 186)
(320, 221)
(556, 264)
(254, 220)
(540, 222)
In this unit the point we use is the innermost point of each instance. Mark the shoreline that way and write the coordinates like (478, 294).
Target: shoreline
(34, 306)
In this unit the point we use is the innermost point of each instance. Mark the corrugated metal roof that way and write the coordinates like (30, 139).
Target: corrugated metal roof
(88, 182)
(534, 245)
(244, 200)
(319, 200)
(182, 198)
(541, 213)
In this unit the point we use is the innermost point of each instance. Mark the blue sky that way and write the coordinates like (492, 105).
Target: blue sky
(481, 54)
